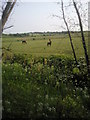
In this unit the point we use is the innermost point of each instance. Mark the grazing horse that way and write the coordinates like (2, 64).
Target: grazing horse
(49, 43)
(24, 41)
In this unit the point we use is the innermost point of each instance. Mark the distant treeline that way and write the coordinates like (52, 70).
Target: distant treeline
(40, 33)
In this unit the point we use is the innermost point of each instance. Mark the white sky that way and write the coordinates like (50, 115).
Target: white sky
(46, 0)
(37, 17)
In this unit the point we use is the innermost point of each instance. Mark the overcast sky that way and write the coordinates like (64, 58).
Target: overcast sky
(37, 16)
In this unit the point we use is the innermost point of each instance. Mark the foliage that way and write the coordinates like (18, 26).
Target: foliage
(45, 88)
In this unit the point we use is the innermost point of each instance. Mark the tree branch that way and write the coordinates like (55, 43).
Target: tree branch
(8, 27)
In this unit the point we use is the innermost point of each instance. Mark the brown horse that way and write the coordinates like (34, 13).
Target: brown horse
(24, 41)
(49, 43)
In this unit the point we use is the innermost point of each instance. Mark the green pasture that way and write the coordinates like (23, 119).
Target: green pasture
(37, 45)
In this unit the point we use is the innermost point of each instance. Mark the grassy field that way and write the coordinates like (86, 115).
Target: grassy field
(37, 45)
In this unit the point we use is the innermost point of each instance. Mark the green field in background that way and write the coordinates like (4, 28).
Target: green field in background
(37, 45)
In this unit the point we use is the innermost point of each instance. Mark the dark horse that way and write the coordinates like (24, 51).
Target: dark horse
(24, 41)
(49, 43)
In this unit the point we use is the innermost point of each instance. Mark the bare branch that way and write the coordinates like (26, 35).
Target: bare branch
(8, 27)
(57, 16)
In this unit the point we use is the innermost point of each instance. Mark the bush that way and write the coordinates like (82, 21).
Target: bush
(44, 88)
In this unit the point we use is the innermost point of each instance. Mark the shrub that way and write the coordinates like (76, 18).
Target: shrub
(44, 88)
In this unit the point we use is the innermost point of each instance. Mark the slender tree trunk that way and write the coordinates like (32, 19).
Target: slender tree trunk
(82, 35)
(6, 13)
(68, 32)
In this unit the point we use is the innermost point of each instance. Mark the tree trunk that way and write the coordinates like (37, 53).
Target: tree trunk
(6, 13)
(82, 35)
(68, 33)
